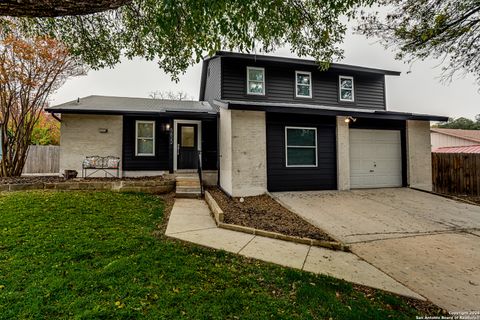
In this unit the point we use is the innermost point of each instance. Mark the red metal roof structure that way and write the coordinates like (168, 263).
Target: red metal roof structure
(462, 149)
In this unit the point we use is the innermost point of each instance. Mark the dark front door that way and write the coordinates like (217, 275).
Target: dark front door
(187, 146)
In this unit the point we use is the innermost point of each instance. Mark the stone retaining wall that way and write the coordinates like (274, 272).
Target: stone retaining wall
(147, 186)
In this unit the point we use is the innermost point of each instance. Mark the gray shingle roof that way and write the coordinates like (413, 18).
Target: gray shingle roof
(107, 104)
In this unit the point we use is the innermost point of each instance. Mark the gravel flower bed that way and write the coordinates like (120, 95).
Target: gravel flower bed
(263, 212)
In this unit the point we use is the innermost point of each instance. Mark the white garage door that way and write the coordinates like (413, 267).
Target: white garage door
(375, 158)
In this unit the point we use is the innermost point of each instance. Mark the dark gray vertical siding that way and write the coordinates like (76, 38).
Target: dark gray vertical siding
(213, 80)
(280, 85)
(209, 144)
(281, 178)
(163, 159)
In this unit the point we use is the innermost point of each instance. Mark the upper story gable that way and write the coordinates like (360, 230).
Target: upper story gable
(246, 77)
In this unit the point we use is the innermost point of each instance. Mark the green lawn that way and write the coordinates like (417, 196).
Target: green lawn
(93, 255)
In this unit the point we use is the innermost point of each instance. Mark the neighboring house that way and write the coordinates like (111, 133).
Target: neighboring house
(263, 123)
(453, 138)
(464, 149)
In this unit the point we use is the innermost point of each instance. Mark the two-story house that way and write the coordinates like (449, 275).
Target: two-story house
(263, 123)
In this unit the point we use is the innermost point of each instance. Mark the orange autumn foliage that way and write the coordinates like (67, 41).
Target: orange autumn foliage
(30, 71)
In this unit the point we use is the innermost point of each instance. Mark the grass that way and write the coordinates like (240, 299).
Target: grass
(93, 255)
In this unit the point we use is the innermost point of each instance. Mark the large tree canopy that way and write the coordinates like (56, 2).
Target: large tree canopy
(462, 123)
(54, 8)
(179, 33)
(445, 29)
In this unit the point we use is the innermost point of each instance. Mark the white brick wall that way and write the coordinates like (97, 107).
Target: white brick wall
(343, 154)
(225, 151)
(80, 137)
(419, 158)
(243, 161)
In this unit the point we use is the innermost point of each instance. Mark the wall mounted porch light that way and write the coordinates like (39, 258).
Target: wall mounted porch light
(350, 119)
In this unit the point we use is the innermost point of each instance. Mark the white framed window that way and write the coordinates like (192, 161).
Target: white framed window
(345, 86)
(256, 81)
(144, 138)
(303, 84)
(301, 147)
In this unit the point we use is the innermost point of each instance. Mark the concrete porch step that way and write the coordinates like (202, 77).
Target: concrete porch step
(188, 189)
(188, 183)
(189, 195)
(188, 186)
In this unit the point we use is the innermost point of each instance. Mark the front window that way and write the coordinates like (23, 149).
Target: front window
(256, 81)
(346, 88)
(303, 84)
(145, 138)
(301, 147)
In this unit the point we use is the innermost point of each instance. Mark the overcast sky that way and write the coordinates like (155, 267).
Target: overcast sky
(418, 91)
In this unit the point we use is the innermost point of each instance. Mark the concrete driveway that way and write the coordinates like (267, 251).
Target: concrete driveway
(428, 243)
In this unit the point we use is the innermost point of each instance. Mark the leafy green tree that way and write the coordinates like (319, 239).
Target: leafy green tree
(462, 123)
(53, 8)
(445, 29)
(180, 33)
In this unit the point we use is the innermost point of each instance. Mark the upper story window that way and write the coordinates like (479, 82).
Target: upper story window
(303, 84)
(346, 88)
(301, 147)
(255, 80)
(144, 138)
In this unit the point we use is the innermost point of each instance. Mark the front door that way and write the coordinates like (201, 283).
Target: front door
(187, 147)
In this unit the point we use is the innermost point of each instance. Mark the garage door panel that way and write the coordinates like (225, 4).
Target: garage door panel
(375, 158)
(383, 181)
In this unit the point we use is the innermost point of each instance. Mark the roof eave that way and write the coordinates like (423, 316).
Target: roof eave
(131, 112)
(380, 114)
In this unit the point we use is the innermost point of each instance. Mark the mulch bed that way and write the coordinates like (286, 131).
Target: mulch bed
(51, 179)
(262, 212)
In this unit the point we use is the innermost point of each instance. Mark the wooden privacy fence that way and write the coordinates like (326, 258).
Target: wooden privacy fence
(456, 173)
(42, 159)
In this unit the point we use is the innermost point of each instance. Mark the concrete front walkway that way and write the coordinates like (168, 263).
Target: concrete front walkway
(190, 220)
(429, 243)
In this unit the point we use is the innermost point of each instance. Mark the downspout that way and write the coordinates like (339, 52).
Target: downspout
(56, 117)
(218, 149)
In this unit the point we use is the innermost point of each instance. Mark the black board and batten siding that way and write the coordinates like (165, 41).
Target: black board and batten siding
(163, 159)
(282, 178)
(369, 89)
(209, 144)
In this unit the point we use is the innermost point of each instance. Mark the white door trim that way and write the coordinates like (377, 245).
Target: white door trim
(175, 140)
